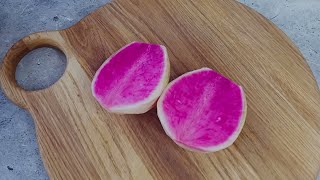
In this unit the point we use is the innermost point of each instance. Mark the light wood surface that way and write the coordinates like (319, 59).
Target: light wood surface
(80, 140)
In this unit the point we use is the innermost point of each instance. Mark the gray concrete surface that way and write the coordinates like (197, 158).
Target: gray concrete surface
(19, 154)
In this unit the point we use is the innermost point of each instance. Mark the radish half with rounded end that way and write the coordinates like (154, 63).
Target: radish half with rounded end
(132, 79)
(202, 110)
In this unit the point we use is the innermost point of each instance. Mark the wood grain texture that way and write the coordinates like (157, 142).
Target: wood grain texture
(80, 140)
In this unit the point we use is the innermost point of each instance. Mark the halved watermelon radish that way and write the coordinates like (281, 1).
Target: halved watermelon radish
(202, 110)
(132, 79)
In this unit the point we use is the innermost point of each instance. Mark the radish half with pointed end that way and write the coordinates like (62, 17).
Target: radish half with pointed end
(202, 110)
(132, 79)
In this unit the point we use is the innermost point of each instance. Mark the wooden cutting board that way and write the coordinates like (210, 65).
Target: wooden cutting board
(80, 140)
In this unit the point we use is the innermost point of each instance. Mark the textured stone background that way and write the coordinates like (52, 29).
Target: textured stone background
(19, 154)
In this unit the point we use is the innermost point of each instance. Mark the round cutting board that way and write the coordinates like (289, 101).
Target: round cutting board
(80, 140)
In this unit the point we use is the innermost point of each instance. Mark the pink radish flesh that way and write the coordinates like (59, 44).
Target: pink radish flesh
(202, 110)
(131, 75)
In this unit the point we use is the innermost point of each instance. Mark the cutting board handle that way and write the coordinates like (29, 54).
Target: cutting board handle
(8, 68)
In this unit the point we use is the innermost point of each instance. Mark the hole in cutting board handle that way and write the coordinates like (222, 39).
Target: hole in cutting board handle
(40, 68)
(16, 53)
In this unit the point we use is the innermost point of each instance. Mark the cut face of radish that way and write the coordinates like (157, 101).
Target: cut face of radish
(132, 79)
(202, 110)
